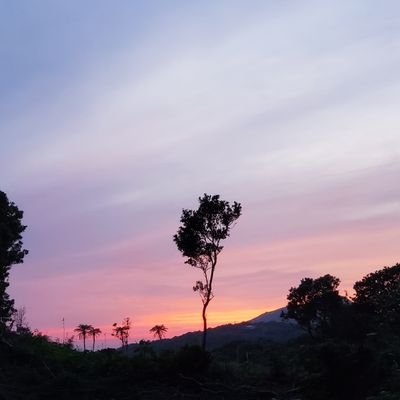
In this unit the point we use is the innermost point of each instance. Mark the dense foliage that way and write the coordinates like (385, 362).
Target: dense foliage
(34, 368)
(11, 252)
(378, 295)
(315, 303)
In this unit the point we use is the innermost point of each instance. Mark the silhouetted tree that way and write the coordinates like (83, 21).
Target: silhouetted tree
(378, 294)
(199, 239)
(122, 331)
(83, 331)
(69, 341)
(94, 332)
(314, 302)
(11, 252)
(159, 331)
(19, 320)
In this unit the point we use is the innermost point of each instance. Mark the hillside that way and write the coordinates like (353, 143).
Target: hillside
(267, 326)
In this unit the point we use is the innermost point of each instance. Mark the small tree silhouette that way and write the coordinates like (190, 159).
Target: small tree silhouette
(94, 332)
(159, 331)
(122, 331)
(20, 321)
(83, 331)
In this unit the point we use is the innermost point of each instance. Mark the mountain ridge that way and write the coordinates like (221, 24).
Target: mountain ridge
(266, 326)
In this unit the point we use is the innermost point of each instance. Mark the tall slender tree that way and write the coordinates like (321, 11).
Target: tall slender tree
(159, 331)
(94, 332)
(11, 252)
(83, 331)
(199, 240)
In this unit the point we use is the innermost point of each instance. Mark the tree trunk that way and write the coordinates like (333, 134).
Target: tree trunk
(203, 344)
(207, 301)
(84, 343)
(94, 342)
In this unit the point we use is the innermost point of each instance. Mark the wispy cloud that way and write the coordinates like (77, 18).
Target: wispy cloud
(115, 119)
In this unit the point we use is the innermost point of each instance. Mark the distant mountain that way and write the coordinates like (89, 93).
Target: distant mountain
(271, 316)
(267, 326)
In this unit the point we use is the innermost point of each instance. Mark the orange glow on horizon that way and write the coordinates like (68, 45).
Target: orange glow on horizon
(189, 320)
(177, 324)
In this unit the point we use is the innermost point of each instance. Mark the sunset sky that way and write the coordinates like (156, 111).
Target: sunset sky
(115, 115)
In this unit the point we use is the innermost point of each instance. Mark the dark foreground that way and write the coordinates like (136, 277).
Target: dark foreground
(34, 368)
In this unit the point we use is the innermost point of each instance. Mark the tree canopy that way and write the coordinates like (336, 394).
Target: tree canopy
(159, 331)
(313, 303)
(378, 293)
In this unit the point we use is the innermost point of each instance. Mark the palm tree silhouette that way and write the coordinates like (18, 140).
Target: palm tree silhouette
(93, 333)
(159, 331)
(83, 330)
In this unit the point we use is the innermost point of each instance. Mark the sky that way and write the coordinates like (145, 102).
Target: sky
(116, 115)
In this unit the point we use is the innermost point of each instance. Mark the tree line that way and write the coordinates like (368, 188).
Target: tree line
(121, 332)
(318, 307)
